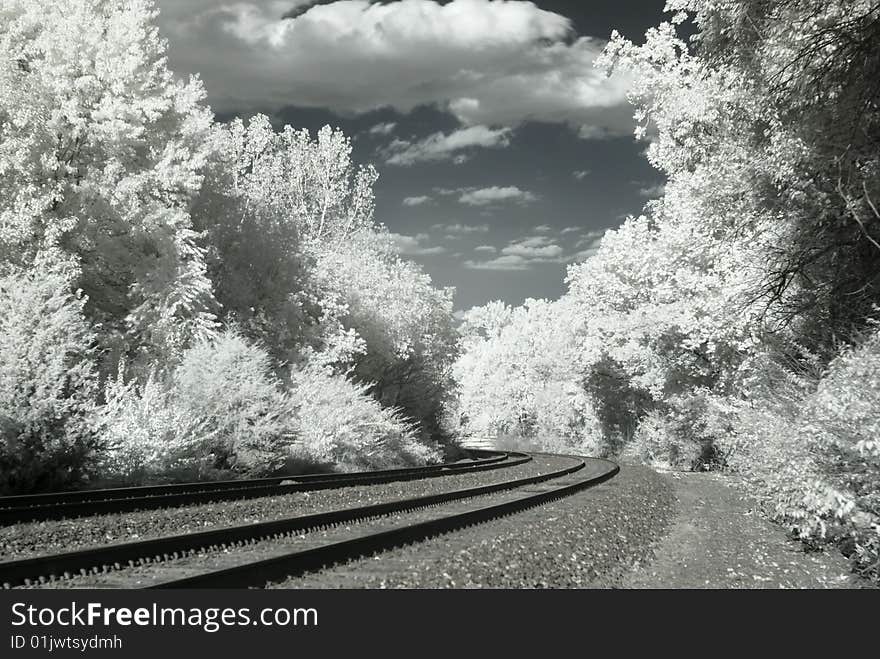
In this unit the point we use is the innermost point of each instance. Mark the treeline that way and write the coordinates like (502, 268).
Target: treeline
(733, 325)
(181, 298)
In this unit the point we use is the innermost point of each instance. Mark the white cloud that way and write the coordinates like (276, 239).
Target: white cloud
(443, 146)
(414, 245)
(580, 174)
(383, 129)
(531, 251)
(416, 201)
(500, 263)
(532, 241)
(521, 254)
(486, 62)
(495, 194)
(535, 248)
(461, 229)
(653, 191)
(543, 228)
(591, 238)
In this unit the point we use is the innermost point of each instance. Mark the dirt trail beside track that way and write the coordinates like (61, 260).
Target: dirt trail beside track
(717, 539)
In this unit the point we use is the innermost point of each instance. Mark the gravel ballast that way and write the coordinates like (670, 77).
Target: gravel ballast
(588, 539)
(641, 529)
(204, 561)
(53, 536)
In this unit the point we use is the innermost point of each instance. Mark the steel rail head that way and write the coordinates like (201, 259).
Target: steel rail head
(17, 572)
(151, 497)
(46, 498)
(259, 573)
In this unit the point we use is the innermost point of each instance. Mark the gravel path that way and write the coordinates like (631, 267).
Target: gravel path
(717, 540)
(53, 536)
(588, 539)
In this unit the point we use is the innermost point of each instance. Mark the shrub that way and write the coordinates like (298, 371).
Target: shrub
(560, 419)
(338, 421)
(656, 443)
(807, 448)
(241, 412)
(221, 409)
(843, 418)
(147, 436)
(47, 382)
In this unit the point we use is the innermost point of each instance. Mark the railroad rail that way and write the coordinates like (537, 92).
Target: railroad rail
(521, 493)
(62, 505)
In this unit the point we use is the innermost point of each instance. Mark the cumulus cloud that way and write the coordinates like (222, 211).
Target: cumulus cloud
(461, 229)
(446, 146)
(496, 194)
(416, 201)
(383, 129)
(415, 245)
(521, 254)
(500, 263)
(580, 174)
(591, 238)
(542, 248)
(535, 248)
(487, 62)
(543, 228)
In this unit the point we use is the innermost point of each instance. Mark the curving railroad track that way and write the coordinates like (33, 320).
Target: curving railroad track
(65, 505)
(256, 554)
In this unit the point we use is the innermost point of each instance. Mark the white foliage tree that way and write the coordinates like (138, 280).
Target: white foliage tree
(101, 153)
(48, 383)
(520, 376)
(321, 282)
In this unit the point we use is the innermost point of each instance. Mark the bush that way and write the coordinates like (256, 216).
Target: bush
(243, 413)
(657, 443)
(147, 436)
(808, 449)
(843, 417)
(565, 420)
(48, 383)
(220, 410)
(338, 421)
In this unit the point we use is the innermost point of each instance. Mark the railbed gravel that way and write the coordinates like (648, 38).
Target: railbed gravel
(153, 573)
(590, 539)
(54, 536)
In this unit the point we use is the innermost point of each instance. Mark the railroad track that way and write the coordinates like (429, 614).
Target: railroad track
(259, 553)
(63, 505)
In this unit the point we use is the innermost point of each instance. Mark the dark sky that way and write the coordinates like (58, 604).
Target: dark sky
(502, 153)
